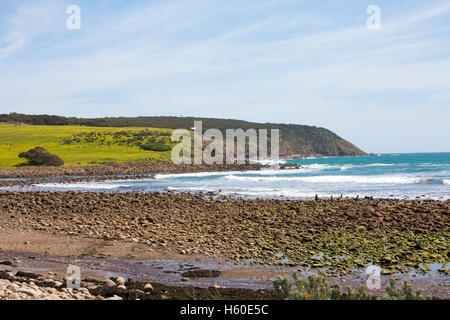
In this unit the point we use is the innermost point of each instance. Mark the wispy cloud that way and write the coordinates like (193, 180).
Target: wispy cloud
(29, 21)
(10, 48)
(226, 59)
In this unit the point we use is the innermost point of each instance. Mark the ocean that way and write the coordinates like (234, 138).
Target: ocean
(399, 176)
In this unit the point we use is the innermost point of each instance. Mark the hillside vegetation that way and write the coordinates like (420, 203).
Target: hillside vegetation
(296, 140)
(81, 146)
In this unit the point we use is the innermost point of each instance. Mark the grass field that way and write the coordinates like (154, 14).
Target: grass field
(82, 146)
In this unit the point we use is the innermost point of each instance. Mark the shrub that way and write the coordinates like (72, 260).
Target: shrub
(316, 288)
(41, 157)
(154, 146)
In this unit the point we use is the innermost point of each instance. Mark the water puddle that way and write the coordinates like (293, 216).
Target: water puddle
(226, 274)
(206, 272)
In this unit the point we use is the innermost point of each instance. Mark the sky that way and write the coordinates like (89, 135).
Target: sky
(310, 62)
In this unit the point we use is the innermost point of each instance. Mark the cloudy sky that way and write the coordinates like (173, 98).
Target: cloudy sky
(290, 61)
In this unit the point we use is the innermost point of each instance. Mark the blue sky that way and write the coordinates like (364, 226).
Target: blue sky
(305, 62)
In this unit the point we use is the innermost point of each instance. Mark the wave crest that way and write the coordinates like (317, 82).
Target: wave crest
(342, 179)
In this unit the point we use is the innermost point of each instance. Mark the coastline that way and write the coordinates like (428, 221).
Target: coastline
(139, 169)
(248, 241)
(277, 233)
(21, 177)
(131, 170)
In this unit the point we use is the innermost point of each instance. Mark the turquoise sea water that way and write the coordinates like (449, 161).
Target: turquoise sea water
(419, 175)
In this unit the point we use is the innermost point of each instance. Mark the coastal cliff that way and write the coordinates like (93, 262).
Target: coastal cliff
(296, 141)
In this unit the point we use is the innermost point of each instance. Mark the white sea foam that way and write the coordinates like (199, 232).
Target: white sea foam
(270, 162)
(439, 165)
(379, 165)
(344, 167)
(319, 166)
(191, 189)
(192, 175)
(310, 195)
(314, 167)
(335, 179)
(278, 193)
(80, 185)
(263, 172)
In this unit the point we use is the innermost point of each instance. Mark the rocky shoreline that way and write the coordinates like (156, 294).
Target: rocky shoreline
(119, 279)
(124, 170)
(22, 285)
(31, 286)
(29, 176)
(339, 234)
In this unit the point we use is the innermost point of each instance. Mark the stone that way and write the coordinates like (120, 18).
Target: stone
(52, 290)
(148, 288)
(13, 287)
(52, 297)
(110, 283)
(29, 292)
(118, 280)
(84, 290)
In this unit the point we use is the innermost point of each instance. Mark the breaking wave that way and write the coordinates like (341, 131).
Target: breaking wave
(343, 179)
(81, 185)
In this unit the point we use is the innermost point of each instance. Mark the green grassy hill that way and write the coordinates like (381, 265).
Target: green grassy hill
(83, 146)
(296, 140)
